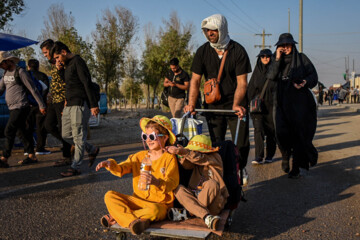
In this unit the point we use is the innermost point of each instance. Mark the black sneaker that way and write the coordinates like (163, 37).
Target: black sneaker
(257, 161)
(268, 160)
(294, 174)
(42, 152)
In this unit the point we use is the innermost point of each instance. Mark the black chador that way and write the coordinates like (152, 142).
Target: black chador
(295, 118)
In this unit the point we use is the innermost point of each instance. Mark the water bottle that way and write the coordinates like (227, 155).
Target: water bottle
(145, 167)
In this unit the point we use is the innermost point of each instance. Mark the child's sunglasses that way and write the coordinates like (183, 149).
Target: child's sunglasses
(152, 136)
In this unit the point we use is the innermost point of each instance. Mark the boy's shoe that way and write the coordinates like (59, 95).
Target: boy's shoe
(212, 222)
(28, 161)
(42, 151)
(177, 214)
(92, 156)
(257, 161)
(268, 160)
(138, 226)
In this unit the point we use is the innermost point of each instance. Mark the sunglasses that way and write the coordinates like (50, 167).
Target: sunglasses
(152, 136)
(265, 56)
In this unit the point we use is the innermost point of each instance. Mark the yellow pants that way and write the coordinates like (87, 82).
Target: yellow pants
(125, 208)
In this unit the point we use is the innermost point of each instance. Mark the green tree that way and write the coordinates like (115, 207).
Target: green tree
(8, 8)
(172, 41)
(112, 37)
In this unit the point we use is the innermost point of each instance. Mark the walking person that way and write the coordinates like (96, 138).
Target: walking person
(232, 86)
(263, 121)
(17, 82)
(177, 81)
(80, 103)
(295, 117)
(342, 94)
(56, 103)
(331, 95)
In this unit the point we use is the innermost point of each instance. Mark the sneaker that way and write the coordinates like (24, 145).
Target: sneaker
(177, 214)
(42, 152)
(70, 172)
(257, 161)
(212, 222)
(26, 154)
(268, 160)
(244, 176)
(294, 174)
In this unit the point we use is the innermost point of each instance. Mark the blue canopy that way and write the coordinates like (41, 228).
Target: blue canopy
(11, 42)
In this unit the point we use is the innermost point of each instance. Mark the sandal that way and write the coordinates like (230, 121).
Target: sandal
(70, 172)
(92, 156)
(107, 221)
(28, 161)
(62, 162)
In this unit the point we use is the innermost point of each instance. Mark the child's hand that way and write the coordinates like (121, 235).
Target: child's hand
(180, 150)
(102, 165)
(150, 179)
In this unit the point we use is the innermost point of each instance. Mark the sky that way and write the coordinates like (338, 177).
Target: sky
(331, 29)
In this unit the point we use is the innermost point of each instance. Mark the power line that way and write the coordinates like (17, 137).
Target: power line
(228, 17)
(247, 15)
(237, 15)
(262, 46)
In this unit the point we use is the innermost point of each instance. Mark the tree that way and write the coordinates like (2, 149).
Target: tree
(174, 41)
(60, 27)
(112, 37)
(8, 8)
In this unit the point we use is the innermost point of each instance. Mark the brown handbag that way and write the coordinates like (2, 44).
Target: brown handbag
(211, 86)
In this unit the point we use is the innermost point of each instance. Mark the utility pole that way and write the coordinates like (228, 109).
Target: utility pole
(289, 20)
(301, 26)
(263, 40)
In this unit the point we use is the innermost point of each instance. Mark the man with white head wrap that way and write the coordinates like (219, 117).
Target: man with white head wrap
(233, 82)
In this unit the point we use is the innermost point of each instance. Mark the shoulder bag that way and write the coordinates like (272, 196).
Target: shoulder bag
(257, 102)
(211, 86)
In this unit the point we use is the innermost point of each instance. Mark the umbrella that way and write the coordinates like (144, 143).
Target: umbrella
(11, 42)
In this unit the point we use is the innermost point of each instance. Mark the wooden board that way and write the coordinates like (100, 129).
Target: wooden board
(191, 228)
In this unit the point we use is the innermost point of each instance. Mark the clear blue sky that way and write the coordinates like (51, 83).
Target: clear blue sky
(331, 27)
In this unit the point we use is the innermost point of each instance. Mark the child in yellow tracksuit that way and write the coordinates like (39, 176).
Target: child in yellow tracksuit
(143, 206)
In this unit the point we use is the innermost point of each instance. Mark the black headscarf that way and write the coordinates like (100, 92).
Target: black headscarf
(258, 78)
(293, 66)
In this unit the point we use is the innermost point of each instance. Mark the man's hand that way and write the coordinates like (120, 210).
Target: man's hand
(189, 108)
(301, 85)
(179, 150)
(95, 111)
(240, 111)
(42, 111)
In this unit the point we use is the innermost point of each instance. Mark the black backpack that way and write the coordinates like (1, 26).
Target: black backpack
(96, 89)
(229, 156)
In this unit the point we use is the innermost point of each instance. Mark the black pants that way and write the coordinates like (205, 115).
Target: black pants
(37, 120)
(264, 126)
(17, 121)
(53, 125)
(218, 123)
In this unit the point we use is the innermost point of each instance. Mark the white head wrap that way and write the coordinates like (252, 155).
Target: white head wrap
(217, 21)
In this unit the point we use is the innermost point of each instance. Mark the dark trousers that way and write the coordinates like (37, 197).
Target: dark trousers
(37, 120)
(53, 125)
(217, 127)
(17, 122)
(264, 126)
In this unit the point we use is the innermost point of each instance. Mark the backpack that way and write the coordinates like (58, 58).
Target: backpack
(229, 155)
(36, 82)
(96, 89)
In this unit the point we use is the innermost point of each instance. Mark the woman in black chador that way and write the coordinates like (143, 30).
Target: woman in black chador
(263, 122)
(295, 117)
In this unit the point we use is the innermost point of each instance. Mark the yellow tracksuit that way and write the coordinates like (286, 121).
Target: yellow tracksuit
(151, 204)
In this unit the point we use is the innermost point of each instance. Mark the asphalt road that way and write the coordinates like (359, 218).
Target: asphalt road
(36, 203)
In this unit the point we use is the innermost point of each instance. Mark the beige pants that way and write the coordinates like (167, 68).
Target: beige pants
(208, 201)
(176, 106)
(125, 209)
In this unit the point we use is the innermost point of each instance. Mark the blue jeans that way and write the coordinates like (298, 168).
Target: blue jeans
(75, 121)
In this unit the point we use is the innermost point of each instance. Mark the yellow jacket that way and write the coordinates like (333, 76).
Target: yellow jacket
(165, 169)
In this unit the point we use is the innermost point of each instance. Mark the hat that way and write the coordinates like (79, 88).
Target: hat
(201, 143)
(161, 120)
(4, 55)
(263, 52)
(285, 38)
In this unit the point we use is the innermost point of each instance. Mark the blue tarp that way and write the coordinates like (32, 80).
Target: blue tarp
(11, 42)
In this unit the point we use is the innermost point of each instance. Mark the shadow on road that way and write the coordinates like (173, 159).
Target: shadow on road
(291, 200)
